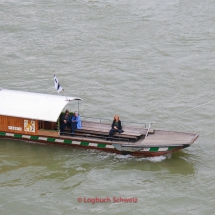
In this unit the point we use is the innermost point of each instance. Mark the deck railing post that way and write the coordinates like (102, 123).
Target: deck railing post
(78, 107)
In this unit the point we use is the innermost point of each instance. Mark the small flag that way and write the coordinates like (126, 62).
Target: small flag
(57, 84)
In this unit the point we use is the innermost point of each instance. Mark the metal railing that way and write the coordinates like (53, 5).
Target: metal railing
(100, 120)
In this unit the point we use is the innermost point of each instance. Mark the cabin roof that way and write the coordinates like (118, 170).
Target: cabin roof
(32, 105)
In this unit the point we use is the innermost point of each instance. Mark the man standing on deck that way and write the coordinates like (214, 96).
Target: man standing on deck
(75, 122)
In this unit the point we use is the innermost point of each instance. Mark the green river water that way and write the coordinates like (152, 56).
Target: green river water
(144, 60)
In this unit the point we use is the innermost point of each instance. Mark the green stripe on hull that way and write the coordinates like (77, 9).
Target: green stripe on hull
(18, 135)
(34, 138)
(2, 133)
(154, 149)
(51, 139)
(101, 145)
(84, 144)
(67, 141)
(171, 148)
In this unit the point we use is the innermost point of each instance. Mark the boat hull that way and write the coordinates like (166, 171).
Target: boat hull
(107, 147)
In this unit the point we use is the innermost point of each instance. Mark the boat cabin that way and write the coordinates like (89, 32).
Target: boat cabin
(31, 113)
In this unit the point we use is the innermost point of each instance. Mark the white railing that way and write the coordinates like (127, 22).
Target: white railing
(102, 120)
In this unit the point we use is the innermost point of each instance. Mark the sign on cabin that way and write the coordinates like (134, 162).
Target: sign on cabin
(14, 128)
(29, 125)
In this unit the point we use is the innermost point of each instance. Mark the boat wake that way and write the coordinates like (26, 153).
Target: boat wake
(118, 157)
(158, 159)
(151, 159)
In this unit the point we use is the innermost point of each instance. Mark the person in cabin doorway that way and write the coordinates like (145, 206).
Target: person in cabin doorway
(116, 127)
(75, 122)
(65, 121)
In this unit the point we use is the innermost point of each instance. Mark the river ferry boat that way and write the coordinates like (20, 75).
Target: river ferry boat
(34, 117)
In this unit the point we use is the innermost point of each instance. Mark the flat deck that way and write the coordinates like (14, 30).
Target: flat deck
(168, 138)
(97, 132)
(101, 130)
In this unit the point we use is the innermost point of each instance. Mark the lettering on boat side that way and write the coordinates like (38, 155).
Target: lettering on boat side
(14, 128)
(29, 126)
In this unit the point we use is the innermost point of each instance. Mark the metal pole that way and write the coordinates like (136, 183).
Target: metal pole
(151, 123)
(78, 107)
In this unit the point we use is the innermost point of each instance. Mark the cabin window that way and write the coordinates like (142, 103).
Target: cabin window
(46, 125)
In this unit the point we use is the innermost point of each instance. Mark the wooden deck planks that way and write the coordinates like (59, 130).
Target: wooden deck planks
(155, 137)
(169, 138)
